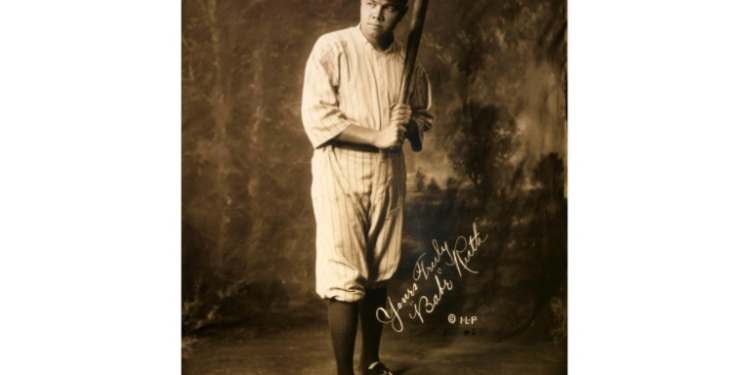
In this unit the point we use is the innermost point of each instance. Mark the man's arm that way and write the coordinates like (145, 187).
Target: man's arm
(389, 137)
(321, 116)
(421, 102)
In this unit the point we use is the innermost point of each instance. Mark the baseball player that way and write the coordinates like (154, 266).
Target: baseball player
(350, 115)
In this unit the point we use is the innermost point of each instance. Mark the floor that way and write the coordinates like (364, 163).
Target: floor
(307, 351)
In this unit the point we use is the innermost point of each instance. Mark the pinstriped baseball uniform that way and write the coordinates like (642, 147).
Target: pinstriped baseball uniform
(357, 191)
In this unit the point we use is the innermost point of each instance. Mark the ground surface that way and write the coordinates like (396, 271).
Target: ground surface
(307, 351)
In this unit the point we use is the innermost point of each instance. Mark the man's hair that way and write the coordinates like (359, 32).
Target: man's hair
(399, 2)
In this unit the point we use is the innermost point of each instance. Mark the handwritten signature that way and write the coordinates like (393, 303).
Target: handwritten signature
(459, 257)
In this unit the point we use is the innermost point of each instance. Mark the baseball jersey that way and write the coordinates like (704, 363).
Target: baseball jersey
(357, 191)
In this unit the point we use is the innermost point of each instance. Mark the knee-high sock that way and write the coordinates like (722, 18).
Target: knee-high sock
(342, 320)
(371, 327)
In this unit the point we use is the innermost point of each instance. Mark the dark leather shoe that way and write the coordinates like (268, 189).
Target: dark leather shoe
(378, 369)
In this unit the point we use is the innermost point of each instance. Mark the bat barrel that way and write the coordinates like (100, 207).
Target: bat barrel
(412, 47)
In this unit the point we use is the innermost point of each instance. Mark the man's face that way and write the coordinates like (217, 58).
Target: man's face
(380, 17)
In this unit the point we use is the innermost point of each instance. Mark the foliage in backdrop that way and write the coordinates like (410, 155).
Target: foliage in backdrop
(496, 156)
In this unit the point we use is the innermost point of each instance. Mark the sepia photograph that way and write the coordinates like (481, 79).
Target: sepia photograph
(374, 187)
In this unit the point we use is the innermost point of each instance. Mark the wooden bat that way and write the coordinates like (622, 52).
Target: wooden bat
(412, 46)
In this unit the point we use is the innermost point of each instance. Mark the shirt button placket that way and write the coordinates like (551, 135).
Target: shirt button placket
(382, 84)
(381, 96)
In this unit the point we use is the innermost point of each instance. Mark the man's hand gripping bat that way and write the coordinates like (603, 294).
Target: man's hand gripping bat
(412, 46)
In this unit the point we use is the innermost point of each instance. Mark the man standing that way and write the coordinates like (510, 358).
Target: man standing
(351, 116)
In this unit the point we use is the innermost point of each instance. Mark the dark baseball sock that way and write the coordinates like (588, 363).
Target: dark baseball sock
(342, 321)
(371, 327)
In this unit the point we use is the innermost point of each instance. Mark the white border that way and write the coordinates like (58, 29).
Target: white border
(90, 202)
(658, 188)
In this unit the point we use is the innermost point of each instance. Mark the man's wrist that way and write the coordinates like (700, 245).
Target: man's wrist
(374, 135)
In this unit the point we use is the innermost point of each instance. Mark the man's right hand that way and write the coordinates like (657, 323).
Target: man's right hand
(393, 135)
(390, 137)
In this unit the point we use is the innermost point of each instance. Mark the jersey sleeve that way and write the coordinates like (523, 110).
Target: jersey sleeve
(421, 101)
(321, 116)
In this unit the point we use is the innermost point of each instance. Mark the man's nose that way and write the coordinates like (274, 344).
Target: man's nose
(377, 13)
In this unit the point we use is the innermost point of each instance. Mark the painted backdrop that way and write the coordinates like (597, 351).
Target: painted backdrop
(495, 160)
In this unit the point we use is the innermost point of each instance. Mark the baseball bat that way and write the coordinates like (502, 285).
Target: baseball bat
(412, 46)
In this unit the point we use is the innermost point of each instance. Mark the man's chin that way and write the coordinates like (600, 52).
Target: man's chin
(374, 34)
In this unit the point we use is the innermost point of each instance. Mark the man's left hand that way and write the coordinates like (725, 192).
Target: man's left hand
(400, 115)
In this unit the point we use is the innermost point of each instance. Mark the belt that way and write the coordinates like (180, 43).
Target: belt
(355, 147)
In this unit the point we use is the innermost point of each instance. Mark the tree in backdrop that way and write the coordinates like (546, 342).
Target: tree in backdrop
(242, 155)
(420, 177)
(499, 83)
(507, 67)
